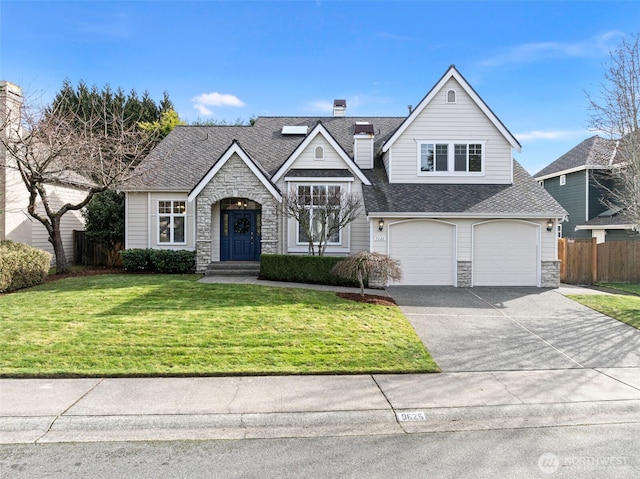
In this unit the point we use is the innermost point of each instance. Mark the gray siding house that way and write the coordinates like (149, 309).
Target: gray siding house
(442, 192)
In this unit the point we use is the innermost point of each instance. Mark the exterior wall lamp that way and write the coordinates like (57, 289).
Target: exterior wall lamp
(549, 225)
(380, 224)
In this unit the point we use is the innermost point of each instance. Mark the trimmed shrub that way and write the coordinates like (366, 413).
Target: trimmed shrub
(302, 269)
(22, 266)
(159, 260)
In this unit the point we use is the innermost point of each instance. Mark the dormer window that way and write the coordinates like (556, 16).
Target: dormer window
(318, 153)
(451, 96)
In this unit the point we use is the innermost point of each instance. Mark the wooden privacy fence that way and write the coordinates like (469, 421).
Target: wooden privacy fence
(583, 261)
(86, 252)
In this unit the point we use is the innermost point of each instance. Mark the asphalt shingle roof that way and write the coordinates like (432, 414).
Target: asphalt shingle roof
(592, 152)
(182, 159)
(524, 197)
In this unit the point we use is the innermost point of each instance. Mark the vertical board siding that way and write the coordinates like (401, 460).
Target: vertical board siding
(463, 121)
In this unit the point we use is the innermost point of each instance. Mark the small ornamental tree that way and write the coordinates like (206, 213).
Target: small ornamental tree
(364, 265)
(321, 213)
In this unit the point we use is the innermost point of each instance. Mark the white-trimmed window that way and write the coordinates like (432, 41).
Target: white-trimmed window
(318, 153)
(563, 180)
(450, 157)
(172, 219)
(559, 229)
(315, 198)
(451, 96)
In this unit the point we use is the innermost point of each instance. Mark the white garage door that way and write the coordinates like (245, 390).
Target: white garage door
(425, 250)
(505, 253)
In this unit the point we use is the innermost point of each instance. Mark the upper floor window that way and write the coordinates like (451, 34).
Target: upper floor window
(563, 180)
(172, 216)
(451, 96)
(450, 157)
(318, 153)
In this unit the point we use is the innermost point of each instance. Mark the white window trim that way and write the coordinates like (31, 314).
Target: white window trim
(296, 223)
(559, 230)
(171, 216)
(563, 180)
(451, 158)
(455, 96)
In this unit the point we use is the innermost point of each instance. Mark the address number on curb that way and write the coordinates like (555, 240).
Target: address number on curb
(411, 416)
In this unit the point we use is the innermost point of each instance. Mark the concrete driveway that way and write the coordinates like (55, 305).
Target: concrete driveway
(500, 328)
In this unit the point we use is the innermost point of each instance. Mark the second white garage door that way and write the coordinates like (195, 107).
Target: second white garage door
(505, 253)
(426, 251)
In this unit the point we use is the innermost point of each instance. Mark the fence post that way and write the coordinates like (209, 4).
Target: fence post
(594, 260)
(562, 256)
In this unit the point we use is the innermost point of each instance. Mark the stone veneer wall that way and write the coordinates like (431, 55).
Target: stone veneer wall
(464, 274)
(550, 274)
(234, 179)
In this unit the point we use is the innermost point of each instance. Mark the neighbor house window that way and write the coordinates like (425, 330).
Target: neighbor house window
(172, 218)
(450, 157)
(559, 230)
(563, 180)
(315, 198)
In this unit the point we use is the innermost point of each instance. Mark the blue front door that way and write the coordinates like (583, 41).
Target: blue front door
(239, 240)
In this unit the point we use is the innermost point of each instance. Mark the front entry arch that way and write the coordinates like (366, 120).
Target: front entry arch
(240, 230)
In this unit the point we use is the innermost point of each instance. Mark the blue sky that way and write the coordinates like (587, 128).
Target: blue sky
(531, 62)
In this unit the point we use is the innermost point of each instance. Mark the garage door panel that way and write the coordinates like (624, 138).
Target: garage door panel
(505, 253)
(426, 251)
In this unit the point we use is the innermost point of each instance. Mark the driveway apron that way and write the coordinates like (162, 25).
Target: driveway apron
(509, 328)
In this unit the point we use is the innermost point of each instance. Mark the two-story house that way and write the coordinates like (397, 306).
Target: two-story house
(441, 191)
(15, 222)
(580, 181)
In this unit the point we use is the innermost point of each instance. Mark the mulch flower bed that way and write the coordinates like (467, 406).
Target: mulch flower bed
(369, 299)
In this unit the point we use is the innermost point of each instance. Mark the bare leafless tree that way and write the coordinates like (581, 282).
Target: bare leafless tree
(615, 110)
(365, 265)
(91, 151)
(321, 212)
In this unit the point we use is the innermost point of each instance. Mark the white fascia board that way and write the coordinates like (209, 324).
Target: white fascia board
(234, 148)
(570, 170)
(319, 129)
(453, 73)
(422, 214)
(317, 179)
(604, 227)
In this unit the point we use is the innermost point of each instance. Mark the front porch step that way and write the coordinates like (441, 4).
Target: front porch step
(233, 268)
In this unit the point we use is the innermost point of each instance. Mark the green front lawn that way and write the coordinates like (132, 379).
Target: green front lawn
(624, 308)
(150, 325)
(633, 288)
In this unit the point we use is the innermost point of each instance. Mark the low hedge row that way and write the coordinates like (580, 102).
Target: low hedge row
(22, 266)
(302, 269)
(159, 260)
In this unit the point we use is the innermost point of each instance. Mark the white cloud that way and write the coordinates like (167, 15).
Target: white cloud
(597, 46)
(201, 102)
(552, 135)
(321, 106)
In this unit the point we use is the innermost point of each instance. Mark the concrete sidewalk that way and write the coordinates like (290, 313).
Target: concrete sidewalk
(137, 409)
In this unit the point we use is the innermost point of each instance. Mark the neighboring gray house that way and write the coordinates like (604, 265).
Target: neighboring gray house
(579, 181)
(442, 192)
(15, 222)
